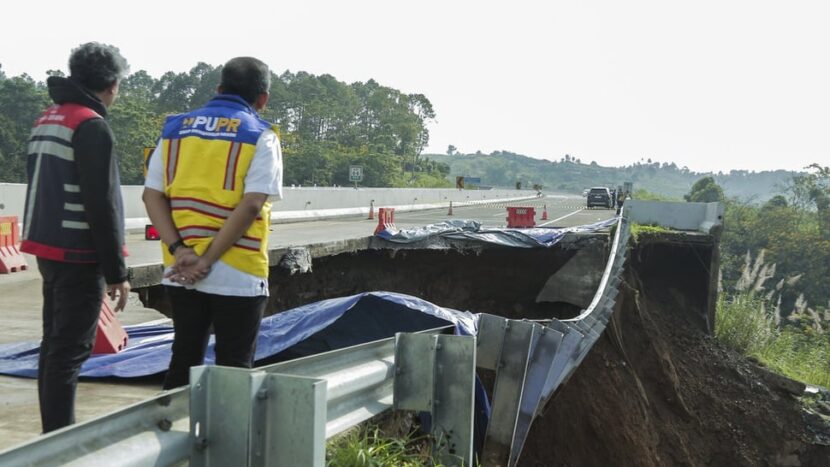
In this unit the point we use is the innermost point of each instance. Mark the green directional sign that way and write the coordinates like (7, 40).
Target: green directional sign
(355, 173)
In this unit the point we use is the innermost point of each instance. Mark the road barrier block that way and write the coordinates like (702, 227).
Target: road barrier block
(150, 233)
(521, 217)
(11, 259)
(386, 220)
(110, 336)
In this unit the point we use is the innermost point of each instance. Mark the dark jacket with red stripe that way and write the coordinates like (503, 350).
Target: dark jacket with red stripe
(74, 212)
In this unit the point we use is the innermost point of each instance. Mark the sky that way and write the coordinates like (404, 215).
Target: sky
(711, 85)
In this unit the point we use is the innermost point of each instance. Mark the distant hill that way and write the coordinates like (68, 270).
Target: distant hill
(504, 169)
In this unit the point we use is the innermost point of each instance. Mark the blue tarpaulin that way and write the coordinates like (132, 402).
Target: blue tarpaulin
(316, 327)
(470, 230)
(305, 330)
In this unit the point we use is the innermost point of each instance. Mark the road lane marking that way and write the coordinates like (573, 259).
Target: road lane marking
(560, 218)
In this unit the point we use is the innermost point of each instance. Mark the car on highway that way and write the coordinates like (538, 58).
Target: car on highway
(600, 196)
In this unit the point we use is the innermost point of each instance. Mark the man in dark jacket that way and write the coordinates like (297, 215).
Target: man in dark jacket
(74, 221)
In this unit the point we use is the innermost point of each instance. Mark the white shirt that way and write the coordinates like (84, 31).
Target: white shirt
(264, 176)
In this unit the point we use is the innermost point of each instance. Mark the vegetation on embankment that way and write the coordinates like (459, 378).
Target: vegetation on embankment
(775, 260)
(744, 324)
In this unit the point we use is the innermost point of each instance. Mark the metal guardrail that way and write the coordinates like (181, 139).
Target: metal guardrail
(152, 432)
(226, 415)
(280, 415)
(531, 360)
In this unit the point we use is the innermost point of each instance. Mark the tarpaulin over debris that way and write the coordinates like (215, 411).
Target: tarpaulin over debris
(469, 230)
(306, 330)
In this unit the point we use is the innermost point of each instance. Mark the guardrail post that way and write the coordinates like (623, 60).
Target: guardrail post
(518, 339)
(563, 362)
(221, 407)
(247, 417)
(294, 421)
(539, 368)
(436, 374)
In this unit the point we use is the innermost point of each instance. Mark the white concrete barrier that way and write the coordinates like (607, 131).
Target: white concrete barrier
(676, 215)
(305, 203)
(12, 199)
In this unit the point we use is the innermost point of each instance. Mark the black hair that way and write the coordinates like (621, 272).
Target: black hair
(97, 66)
(246, 77)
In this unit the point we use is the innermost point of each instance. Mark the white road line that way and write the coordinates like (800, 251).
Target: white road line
(560, 218)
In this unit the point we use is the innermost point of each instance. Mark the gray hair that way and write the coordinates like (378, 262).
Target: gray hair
(246, 77)
(97, 66)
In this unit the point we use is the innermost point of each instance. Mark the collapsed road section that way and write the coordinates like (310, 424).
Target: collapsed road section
(527, 301)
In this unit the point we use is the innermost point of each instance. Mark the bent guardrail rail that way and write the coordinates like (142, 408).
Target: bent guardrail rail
(532, 360)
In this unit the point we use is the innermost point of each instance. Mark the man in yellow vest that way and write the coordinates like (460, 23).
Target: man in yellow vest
(208, 192)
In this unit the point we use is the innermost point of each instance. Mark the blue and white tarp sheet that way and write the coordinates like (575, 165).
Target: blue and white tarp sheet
(309, 329)
(470, 230)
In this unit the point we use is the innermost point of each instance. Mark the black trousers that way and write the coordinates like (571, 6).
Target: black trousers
(235, 323)
(72, 296)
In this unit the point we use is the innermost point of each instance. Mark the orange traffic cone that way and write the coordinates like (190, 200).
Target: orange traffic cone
(545, 213)
(449, 213)
(371, 210)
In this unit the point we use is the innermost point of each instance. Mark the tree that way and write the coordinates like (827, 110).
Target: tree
(135, 127)
(705, 190)
(324, 124)
(777, 201)
(451, 150)
(812, 191)
(21, 101)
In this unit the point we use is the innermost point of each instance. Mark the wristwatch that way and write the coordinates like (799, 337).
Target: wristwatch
(175, 246)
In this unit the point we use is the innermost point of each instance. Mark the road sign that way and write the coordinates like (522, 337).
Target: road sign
(355, 173)
(472, 180)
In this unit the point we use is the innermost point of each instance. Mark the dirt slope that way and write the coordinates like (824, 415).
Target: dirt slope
(657, 390)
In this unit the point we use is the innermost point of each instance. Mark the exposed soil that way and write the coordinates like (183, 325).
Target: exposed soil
(482, 281)
(657, 390)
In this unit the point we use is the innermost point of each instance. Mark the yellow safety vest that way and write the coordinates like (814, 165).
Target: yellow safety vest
(206, 155)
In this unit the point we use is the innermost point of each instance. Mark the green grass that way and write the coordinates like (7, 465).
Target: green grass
(799, 356)
(638, 230)
(367, 447)
(743, 324)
